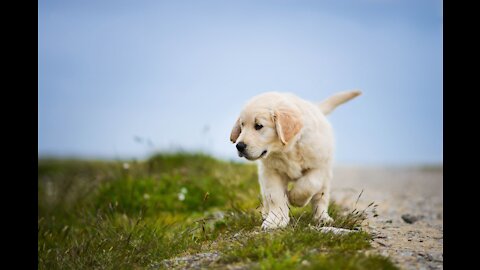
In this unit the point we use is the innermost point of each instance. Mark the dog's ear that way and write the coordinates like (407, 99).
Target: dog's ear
(235, 131)
(288, 122)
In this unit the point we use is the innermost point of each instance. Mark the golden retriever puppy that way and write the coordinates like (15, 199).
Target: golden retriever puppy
(293, 142)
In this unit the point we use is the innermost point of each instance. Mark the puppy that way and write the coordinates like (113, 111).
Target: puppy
(293, 142)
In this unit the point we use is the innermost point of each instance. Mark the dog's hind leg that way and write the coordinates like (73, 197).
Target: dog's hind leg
(319, 204)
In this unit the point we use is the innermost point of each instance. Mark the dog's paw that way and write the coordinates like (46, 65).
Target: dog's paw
(324, 219)
(275, 222)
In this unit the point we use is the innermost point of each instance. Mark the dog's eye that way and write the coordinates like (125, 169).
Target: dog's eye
(258, 126)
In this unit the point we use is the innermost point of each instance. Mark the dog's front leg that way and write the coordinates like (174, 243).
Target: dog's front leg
(275, 203)
(313, 187)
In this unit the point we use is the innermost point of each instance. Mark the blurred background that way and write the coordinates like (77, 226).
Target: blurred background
(124, 79)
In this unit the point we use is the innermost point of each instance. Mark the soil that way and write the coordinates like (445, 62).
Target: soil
(409, 225)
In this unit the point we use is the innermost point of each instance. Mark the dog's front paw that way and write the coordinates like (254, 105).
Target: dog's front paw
(275, 221)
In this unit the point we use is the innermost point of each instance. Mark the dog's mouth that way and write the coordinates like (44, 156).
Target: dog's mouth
(240, 154)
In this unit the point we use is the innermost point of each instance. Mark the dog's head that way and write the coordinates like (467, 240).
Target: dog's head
(267, 124)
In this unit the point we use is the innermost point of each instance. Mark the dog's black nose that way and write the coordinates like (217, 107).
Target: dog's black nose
(241, 146)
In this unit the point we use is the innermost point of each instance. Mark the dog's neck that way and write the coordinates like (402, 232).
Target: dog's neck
(287, 160)
(289, 149)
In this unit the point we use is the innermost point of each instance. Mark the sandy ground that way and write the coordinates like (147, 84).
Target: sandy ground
(398, 191)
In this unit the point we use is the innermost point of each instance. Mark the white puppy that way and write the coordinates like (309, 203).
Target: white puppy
(294, 142)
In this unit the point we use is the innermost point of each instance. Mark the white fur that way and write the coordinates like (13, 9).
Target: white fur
(305, 159)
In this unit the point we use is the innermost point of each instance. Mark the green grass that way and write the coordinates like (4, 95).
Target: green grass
(105, 215)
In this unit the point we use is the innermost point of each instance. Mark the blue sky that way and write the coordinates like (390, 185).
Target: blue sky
(121, 79)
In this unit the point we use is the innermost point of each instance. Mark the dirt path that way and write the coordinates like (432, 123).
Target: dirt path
(411, 193)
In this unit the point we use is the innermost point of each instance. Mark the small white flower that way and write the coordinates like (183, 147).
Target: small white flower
(50, 189)
(181, 196)
(126, 166)
(218, 214)
(146, 196)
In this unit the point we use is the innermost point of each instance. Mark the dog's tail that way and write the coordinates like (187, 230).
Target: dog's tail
(329, 104)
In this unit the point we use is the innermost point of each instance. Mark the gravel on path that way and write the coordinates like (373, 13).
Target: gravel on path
(409, 225)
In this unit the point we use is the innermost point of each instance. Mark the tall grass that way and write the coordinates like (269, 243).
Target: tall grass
(131, 214)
